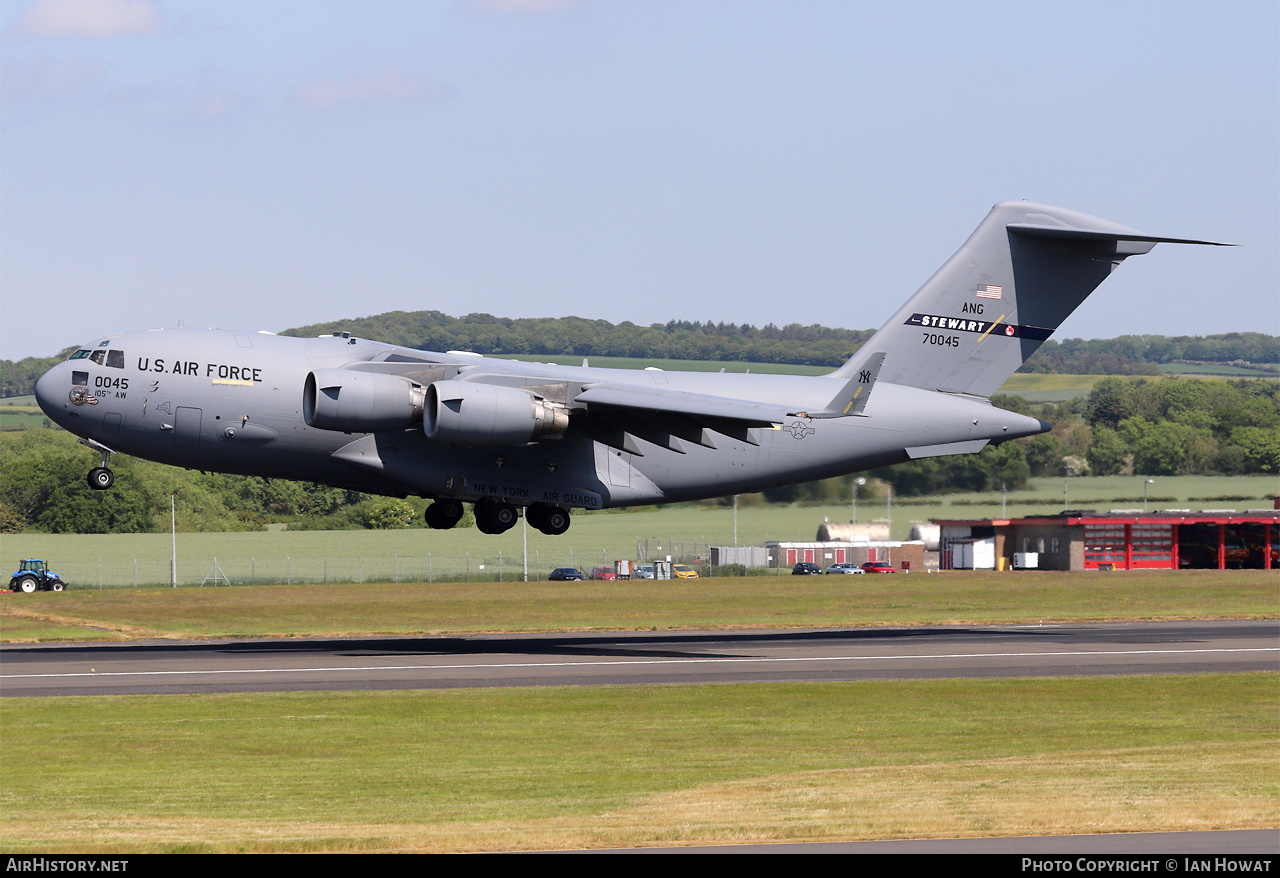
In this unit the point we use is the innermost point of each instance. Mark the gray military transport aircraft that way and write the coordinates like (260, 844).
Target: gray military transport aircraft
(504, 435)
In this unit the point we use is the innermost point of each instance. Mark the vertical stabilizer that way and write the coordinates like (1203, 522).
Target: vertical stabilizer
(988, 309)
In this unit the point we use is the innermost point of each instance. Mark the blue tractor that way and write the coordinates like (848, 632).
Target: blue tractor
(34, 575)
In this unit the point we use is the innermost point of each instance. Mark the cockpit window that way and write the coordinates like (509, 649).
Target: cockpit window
(113, 358)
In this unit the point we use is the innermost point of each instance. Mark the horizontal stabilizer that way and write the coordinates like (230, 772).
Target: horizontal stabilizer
(1035, 230)
(972, 446)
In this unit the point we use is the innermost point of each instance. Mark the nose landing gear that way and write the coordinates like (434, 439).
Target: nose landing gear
(100, 477)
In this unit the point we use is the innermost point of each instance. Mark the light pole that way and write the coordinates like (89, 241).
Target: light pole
(1146, 485)
(173, 538)
(888, 506)
(857, 483)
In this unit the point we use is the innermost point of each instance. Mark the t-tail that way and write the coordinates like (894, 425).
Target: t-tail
(988, 309)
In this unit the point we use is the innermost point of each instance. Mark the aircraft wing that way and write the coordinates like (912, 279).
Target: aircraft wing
(593, 393)
(653, 399)
(613, 413)
(619, 413)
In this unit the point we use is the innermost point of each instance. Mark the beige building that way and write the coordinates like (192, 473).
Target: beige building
(904, 555)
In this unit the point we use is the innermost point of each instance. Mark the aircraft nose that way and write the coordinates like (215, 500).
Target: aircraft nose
(49, 388)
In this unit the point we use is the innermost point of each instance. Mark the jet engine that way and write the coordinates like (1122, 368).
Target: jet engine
(467, 413)
(360, 402)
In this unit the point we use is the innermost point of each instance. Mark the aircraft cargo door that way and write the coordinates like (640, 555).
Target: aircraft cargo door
(186, 427)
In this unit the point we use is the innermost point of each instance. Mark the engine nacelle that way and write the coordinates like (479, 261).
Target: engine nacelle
(466, 413)
(360, 402)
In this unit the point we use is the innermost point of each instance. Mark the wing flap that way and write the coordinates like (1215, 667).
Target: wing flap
(695, 405)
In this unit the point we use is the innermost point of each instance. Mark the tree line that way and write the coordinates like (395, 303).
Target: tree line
(793, 344)
(1143, 354)
(43, 489)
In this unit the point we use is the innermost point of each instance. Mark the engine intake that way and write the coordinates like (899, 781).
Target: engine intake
(466, 413)
(361, 402)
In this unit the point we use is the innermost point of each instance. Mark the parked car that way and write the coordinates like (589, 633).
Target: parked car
(878, 567)
(642, 571)
(806, 568)
(844, 567)
(683, 571)
(603, 573)
(565, 574)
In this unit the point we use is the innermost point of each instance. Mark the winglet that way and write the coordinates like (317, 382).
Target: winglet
(852, 398)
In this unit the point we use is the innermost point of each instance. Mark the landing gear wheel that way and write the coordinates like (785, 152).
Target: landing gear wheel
(444, 514)
(101, 478)
(495, 516)
(551, 520)
(556, 522)
(27, 585)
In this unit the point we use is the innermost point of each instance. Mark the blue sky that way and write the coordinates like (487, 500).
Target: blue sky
(252, 165)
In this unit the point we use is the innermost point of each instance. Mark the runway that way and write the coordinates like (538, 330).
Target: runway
(630, 658)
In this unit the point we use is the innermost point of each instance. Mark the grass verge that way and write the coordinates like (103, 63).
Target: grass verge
(512, 769)
(733, 602)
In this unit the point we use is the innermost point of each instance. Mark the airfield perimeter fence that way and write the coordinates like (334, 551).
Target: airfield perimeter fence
(210, 571)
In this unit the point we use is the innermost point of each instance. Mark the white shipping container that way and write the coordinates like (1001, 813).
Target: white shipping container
(973, 554)
(984, 554)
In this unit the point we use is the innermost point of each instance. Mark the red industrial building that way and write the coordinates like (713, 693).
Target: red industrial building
(1118, 540)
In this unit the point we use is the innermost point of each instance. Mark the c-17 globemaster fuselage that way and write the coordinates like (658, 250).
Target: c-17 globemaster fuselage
(506, 435)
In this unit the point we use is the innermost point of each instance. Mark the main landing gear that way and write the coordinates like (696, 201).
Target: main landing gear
(551, 520)
(498, 516)
(495, 516)
(444, 514)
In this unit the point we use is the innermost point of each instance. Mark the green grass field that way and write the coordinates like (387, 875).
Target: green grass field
(596, 538)
(1214, 370)
(1039, 387)
(21, 413)
(557, 768)
(1042, 387)
(560, 768)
